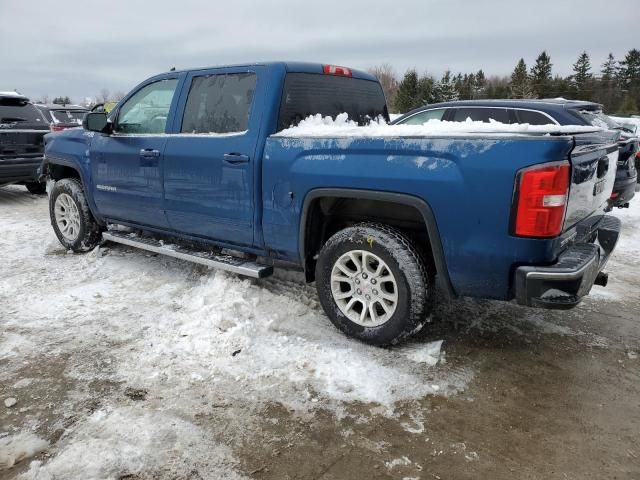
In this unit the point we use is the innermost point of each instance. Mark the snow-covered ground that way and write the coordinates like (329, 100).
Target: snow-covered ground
(166, 342)
(167, 327)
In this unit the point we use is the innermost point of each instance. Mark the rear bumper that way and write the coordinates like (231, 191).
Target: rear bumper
(19, 169)
(623, 191)
(563, 284)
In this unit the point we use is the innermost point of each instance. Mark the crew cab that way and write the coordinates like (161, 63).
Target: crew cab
(202, 165)
(22, 129)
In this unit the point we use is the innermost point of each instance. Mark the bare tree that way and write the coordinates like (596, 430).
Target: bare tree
(119, 95)
(387, 78)
(104, 95)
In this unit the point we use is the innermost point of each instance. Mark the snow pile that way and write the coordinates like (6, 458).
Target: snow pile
(631, 120)
(318, 126)
(15, 448)
(269, 342)
(132, 441)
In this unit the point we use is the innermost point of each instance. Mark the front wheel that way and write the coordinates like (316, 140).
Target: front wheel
(71, 218)
(373, 284)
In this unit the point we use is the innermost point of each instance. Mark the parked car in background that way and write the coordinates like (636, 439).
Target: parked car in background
(63, 116)
(203, 163)
(557, 111)
(22, 128)
(105, 107)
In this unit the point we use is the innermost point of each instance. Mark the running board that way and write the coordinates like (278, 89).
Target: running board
(240, 266)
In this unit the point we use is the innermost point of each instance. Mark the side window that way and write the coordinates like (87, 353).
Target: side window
(481, 114)
(533, 118)
(422, 117)
(219, 103)
(147, 110)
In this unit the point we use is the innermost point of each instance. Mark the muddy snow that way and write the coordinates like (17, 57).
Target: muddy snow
(125, 364)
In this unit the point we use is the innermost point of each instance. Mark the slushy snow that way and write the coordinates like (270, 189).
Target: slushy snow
(317, 126)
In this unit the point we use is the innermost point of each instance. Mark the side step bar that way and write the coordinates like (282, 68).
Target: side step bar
(221, 262)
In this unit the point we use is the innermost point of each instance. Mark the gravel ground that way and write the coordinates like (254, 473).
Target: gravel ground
(123, 365)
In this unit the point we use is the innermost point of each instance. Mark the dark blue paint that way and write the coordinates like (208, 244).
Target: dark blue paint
(193, 191)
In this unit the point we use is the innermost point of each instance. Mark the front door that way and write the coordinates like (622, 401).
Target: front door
(210, 157)
(127, 165)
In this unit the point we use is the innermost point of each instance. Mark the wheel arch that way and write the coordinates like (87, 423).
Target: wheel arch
(57, 169)
(310, 216)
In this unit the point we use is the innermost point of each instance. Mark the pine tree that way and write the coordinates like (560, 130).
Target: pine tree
(582, 78)
(541, 75)
(407, 96)
(425, 90)
(520, 84)
(478, 84)
(630, 68)
(609, 69)
(445, 89)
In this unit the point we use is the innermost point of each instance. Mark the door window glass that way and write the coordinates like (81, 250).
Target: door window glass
(422, 117)
(147, 110)
(219, 103)
(481, 114)
(533, 118)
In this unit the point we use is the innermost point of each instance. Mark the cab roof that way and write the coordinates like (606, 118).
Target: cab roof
(291, 67)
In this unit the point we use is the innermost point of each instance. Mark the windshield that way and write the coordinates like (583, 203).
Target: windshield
(599, 119)
(68, 116)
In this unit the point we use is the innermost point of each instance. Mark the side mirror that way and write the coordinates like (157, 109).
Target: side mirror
(96, 122)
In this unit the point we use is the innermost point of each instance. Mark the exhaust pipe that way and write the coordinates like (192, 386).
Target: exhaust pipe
(602, 279)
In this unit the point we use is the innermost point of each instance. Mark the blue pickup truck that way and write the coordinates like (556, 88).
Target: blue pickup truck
(192, 162)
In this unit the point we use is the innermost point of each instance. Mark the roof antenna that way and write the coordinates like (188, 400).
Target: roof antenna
(173, 69)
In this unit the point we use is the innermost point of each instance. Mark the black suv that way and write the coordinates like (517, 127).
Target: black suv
(22, 128)
(556, 111)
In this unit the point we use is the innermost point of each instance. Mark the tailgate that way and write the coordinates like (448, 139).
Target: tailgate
(593, 165)
(16, 143)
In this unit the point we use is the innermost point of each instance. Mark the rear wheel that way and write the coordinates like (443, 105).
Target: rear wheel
(71, 218)
(37, 188)
(373, 284)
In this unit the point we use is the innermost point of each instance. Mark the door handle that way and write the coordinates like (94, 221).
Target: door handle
(235, 158)
(149, 153)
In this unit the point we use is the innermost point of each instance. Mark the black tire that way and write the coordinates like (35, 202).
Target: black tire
(89, 234)
(414, 282)
(37, 188)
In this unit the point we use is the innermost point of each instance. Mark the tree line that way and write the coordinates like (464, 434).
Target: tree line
(616, 84)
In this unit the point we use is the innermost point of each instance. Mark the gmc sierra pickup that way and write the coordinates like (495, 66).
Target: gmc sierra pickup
(197, 165)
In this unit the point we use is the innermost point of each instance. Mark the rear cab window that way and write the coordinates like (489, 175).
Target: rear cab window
(425, 116)
(219, 103)
(476, 114)
(306, 94)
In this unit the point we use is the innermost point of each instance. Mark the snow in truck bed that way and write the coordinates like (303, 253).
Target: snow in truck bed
(318, 126)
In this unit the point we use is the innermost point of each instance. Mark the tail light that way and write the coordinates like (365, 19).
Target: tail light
(55, 127)
(541, 200)
(336, 70)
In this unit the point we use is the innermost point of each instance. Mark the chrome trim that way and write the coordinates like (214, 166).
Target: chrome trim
(553, 120)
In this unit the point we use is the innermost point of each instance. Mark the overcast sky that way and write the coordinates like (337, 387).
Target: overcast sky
(78, 47)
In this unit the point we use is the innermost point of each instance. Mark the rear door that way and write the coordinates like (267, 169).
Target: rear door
(210, 157)
(126, 165)
(593, 165)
